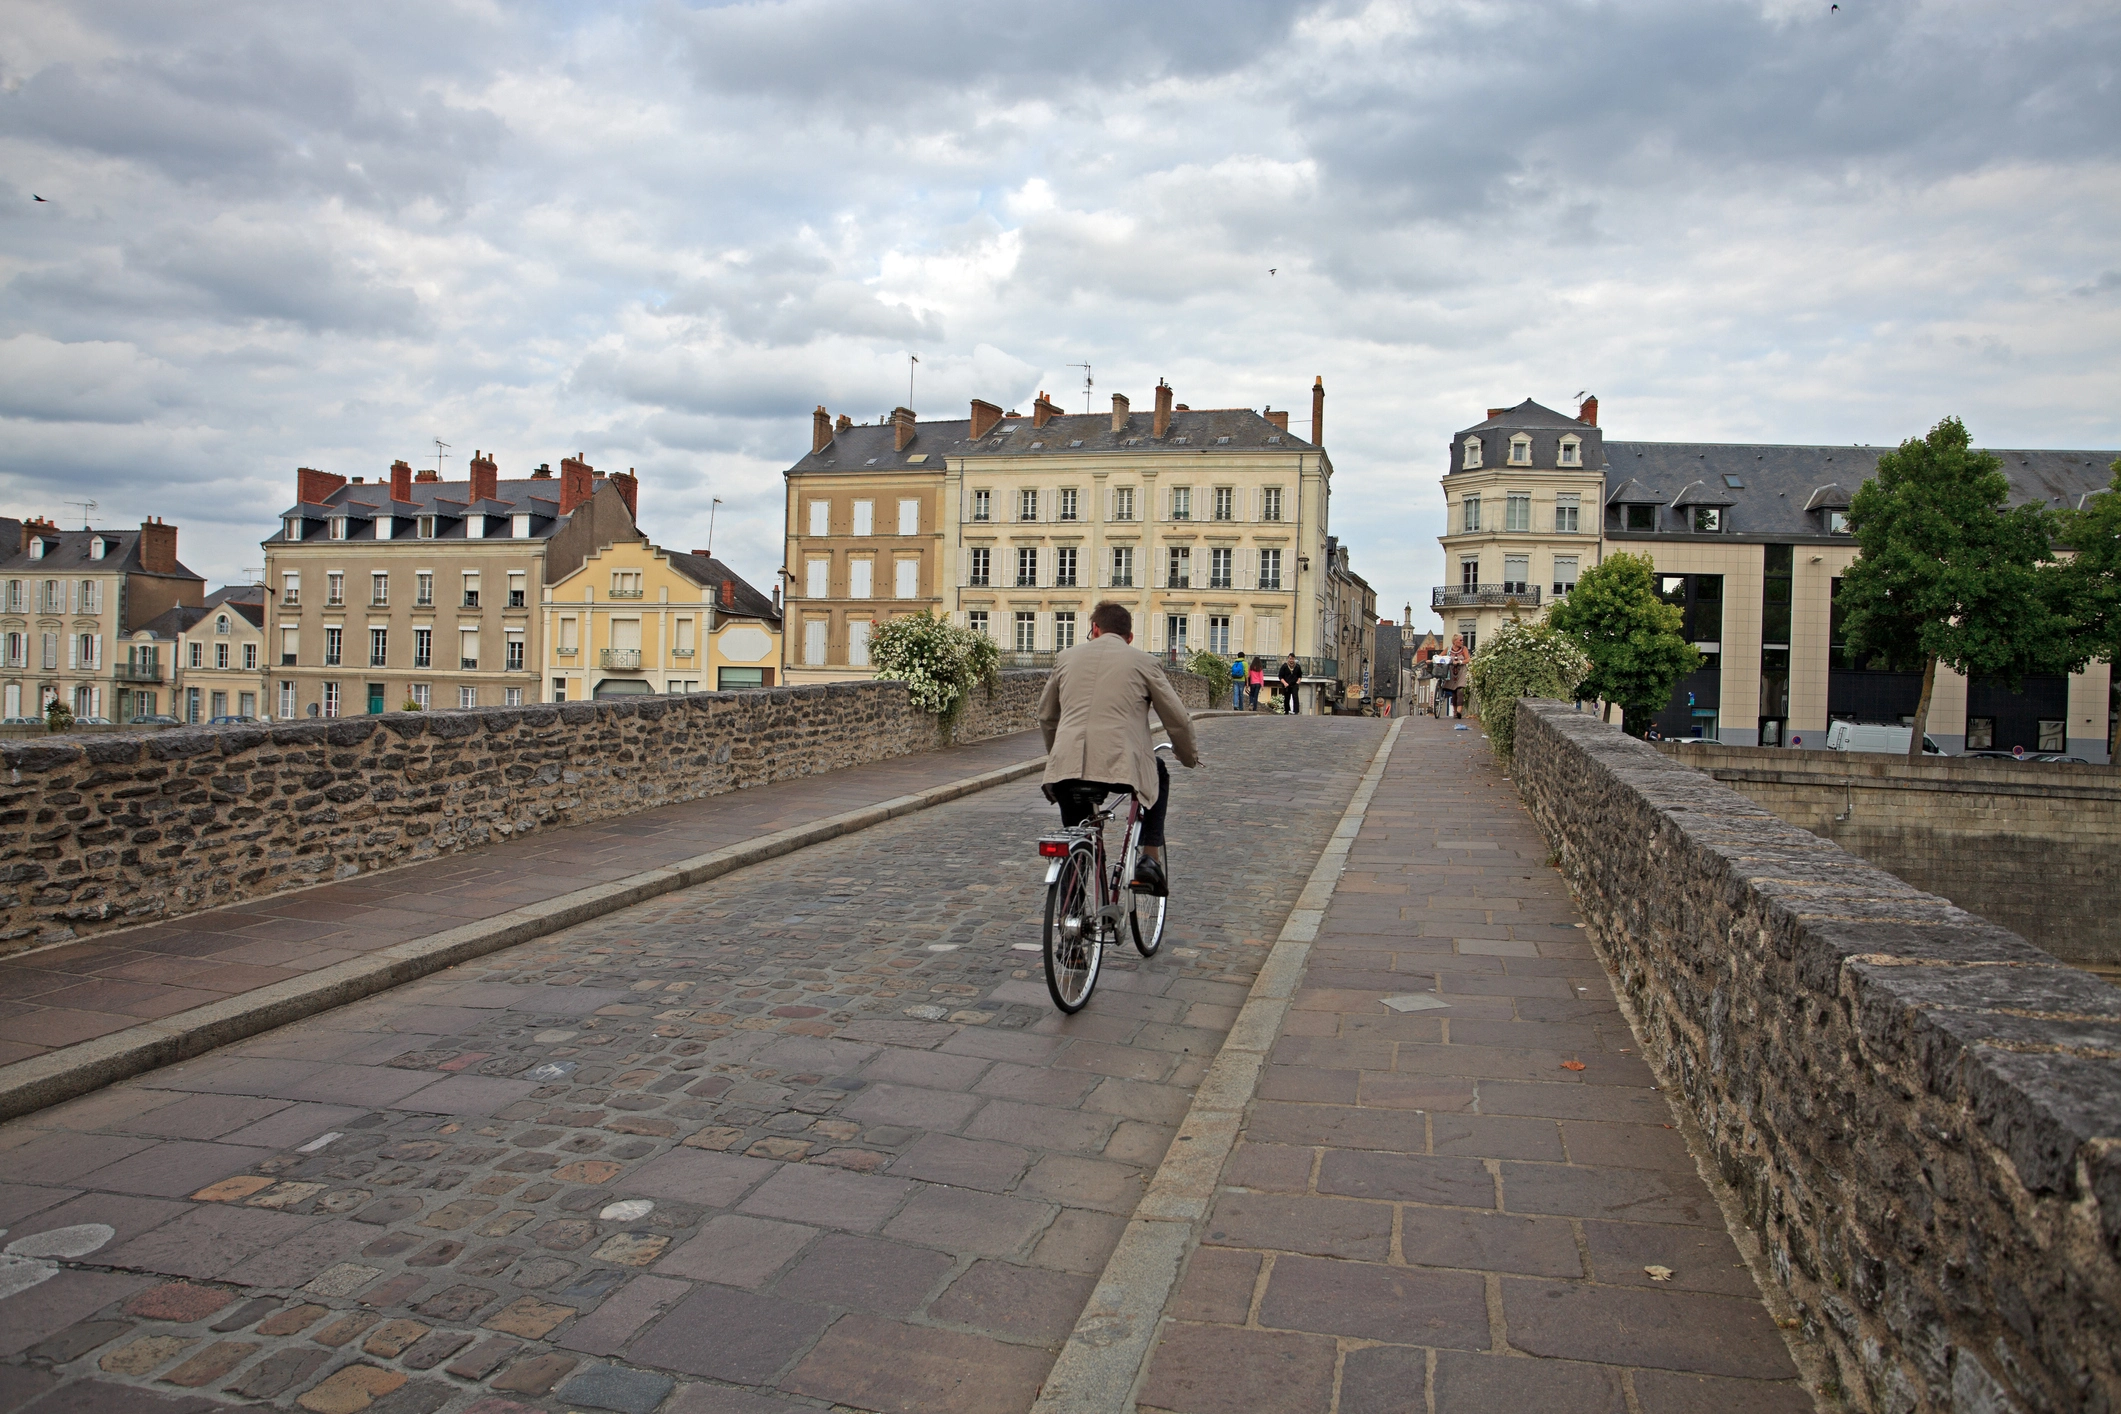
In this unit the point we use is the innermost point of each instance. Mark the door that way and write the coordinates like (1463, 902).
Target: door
(375, 698)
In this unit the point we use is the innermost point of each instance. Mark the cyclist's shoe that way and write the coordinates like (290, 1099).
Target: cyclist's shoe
(1149, 877)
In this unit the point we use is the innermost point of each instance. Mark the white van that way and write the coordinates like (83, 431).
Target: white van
(1876, 736)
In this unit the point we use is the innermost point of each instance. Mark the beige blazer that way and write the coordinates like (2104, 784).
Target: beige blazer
(1096, 716)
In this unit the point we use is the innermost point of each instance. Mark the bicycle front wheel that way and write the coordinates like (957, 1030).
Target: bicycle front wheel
(1072, 949)
(1146, 912)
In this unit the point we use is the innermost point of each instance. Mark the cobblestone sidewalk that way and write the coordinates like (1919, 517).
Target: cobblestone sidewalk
(809, 1135)
(1459, 1189)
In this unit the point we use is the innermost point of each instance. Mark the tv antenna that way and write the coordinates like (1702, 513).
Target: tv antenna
(254, 573)
(1088, 383)
(441, 451)
(87, 508)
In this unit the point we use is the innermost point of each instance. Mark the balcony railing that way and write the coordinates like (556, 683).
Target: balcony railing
(1485, 596)
(145, 670)
(625, 660)
(627, 593)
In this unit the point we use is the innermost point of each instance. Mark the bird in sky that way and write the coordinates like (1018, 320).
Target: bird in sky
(35, 197)
(1270, 272)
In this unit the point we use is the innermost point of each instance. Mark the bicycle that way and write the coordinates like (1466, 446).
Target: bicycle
(1084, 902)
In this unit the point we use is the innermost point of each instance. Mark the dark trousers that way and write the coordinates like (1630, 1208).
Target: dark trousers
(1253, 689)
(1077, 799)
(1288, 698)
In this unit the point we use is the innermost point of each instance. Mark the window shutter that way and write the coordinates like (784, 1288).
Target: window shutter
(1237, 633)
(1045, 630)
(1156, 633)
(95, 649)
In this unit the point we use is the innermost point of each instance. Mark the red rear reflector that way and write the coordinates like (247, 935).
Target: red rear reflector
(1052, 849)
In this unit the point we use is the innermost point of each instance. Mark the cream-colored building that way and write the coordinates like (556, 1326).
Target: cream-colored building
(70, 601)
(1209, 524)
(414, 591)
(634, 618)
(217, 653)
(1750, 541)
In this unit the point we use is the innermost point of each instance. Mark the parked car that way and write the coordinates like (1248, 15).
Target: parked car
(94, 722)
(2054, 756)
(162, 719)
(233, 721)
(21, 721)
(1876, 736)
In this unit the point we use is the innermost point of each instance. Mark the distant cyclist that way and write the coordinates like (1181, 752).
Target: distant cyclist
(1095, 717)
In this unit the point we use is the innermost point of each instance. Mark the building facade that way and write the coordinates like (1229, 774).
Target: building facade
(1749, 542)
(1210, 525)
(69, 599)
(217, 653)
(634, 618)
(419, 592)
(1351, 624)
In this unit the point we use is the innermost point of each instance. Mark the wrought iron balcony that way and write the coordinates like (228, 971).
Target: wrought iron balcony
(142, 670)
(1485, 596)
(625, 660)
(627, 593)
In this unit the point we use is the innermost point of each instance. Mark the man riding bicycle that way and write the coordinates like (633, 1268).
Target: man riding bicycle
(1095, 717)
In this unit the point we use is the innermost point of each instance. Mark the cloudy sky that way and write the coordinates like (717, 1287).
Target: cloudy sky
(658, 234)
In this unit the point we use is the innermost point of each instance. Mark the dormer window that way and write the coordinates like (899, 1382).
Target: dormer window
(338, 527)
(1521, 450)
(1471, 460)
(221, 624)
(1837, 522)
(427, 528)
(1708, 520)
(95, 548)
(1572, 450)
(36, 549)
(292, 527)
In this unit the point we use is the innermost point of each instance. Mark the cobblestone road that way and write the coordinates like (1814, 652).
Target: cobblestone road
(810, 1135)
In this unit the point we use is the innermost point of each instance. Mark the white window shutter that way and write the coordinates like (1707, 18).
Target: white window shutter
(73, 650)
(95, 650)
(1045, 630)
(1237, 633)
(1156, 633)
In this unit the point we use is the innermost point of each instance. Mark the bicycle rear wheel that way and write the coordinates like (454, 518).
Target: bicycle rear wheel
(1072, 949)
(1145, 912)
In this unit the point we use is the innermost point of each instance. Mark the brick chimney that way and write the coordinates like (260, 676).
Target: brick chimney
(1318, 411)
(902, 428)
(1121, 410)
(1589, 411)
(726, 593)
(401, 481)
(1279, 419)
(158, 544)
(485, 477)
(577, 483)
(843, 424)
(1043, 411)
(629, 487)
(1494, 413)
(1162, 423)
(543, 473)
(820, 429)
(984, 416)
(427, 474)
(31, 526)
(313, 486)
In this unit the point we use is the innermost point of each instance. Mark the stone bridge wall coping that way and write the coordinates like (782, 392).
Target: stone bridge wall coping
(1919, 1111)
(108, 831)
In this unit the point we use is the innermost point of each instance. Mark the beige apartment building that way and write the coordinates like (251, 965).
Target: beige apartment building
(634, 618)
(1209, 524)
(69, 601)
(414, 591)
(217, 654)
(1749, 542)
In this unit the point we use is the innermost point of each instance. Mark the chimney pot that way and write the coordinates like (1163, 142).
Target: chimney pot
(400, 480)
(1162, 422)
(1044, 410)
(1121, 409)
(1318, 411)
(727, 593)
(1589, 411)
(158, 546)
(1279, 419)
(485, 477)
(820, 429)
(903, 428)
(577, 483)
(629, 489)
(984, 416)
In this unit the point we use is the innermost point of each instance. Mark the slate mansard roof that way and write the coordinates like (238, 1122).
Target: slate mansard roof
(1543, 425)
(363, 504)
(67, 552)
(868, 447)
(1781, 490)
(712, 574)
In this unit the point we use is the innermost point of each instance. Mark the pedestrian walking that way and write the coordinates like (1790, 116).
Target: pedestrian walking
(1237, 685)
(1290, 675)
(1255, 680)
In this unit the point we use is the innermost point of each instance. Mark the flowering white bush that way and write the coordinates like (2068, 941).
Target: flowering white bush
(938, 661)
(1522, 660)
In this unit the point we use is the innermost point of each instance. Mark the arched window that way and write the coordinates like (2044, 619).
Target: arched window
(221, 624)
(1472, 454)
(1521, 449)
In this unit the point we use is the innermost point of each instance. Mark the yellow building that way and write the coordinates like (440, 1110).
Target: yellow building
(634, 618)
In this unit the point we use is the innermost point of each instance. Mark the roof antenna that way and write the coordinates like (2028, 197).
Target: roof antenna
(441, 451)
(1088, 383)
(88, 508)
(911, 360)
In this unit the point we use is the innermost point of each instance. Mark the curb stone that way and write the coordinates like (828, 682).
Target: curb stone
(1108, 1352)
(71, 1071)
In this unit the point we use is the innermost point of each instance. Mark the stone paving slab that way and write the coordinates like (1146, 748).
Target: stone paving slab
(806, 1135)
(59, 996)
(1481, 1203)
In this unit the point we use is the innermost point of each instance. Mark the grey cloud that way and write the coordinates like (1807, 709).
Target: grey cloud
(783, 296)
(47, 381)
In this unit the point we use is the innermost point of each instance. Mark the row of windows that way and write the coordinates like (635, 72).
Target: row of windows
(424, 527)
(423, 645)
(1220, 502)
(1221, 566)
(423, 589)
(1517, 574)
(1571, 453)
(98, 547)
(223, 657)
(863, 518)
(82, 651)
(1704, 520)
(332, 699)
(861, 578)
(52, 596)
(625, 636)
(1517, 513)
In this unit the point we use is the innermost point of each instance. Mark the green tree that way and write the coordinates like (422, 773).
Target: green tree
(1633, 638)
(2091, 582)
(1522, 659)
(1950, 575)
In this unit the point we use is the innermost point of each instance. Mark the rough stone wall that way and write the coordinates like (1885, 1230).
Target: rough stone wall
(1919, 1111)
(2035, 847)
(106, 831)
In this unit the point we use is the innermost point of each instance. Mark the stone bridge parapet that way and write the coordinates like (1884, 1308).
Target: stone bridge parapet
(1919, 1111)
(106, 831)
